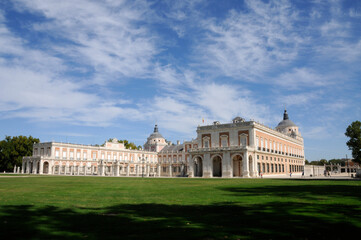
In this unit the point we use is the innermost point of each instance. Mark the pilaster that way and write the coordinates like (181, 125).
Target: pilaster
(246, 165)
(226, 165)
(207, 166)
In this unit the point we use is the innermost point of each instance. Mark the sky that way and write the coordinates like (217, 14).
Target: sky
(85, 71)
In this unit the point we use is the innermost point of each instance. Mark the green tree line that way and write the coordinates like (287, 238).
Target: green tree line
(13, 149)
(127, 144)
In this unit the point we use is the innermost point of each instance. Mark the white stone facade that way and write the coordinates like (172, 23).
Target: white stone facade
(237, 149)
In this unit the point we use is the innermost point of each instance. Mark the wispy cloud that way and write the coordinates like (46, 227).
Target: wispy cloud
(250, 42)
(106, 37)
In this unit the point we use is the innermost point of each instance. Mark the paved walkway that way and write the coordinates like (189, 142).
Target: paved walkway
(299, 176)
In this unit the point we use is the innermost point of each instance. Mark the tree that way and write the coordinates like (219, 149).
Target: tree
(323, 162)
(353, 131)
(13, 149)
(127, 144)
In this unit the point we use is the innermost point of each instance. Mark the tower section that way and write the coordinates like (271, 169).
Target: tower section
(155, 142)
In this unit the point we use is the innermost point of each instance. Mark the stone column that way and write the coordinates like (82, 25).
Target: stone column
(190, 169)
(23, 167)
(117, 169)
(170, 170)
(207, 166)
(148, 170)
(137, 170)
(255, 169)
(41, 165)
(226, 165)
(18, 170)
(27, 167)
(252, 137)
(128, 170)
(35, 167)
(246, 165)
(159, 170)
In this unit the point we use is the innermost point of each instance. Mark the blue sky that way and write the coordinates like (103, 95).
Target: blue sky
(85, 71)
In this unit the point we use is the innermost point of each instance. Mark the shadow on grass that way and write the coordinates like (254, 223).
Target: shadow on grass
(155, 221)
(309, 192)
(271, 220)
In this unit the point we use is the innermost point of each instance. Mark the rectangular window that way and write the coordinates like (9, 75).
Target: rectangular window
(78, 155)
(64, 155)
(84, 156)
(94, 155)
(57, 154)
(244, 141)
(71, 155)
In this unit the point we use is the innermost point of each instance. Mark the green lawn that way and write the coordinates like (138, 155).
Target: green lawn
(50, 207)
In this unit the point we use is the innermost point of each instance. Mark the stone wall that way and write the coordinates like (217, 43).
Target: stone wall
(314, 170)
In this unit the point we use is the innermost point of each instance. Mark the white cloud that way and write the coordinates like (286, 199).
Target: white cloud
(299, 99)
(249, 43)
(34, 86)
(105, 36)
(303, 77)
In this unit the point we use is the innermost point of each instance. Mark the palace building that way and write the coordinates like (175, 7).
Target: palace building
(236, 149)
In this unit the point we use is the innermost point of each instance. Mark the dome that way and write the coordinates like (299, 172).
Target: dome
(285, 122)
(155, 134)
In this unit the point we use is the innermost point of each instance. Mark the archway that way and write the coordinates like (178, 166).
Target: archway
(217, 166)
(198, 167)
(237, 166)
(31, 167)
(45, 167)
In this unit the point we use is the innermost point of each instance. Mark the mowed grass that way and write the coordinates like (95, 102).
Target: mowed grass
(51, 207)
